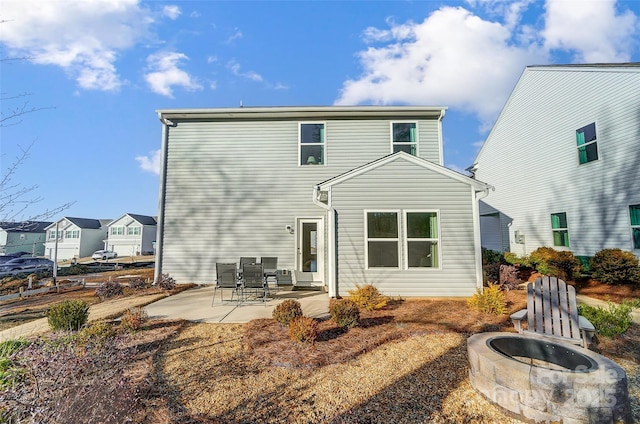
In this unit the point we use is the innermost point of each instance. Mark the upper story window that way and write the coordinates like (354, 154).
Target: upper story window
(560, 229)
(52, 234)
(117, 231)
(72, 234)
(311, 141)
(587, 144)
(404, 137)
(634, 215)
(133, 231)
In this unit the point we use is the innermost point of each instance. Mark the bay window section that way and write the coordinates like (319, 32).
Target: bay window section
(311, 141)
(634, 214)
(404, 137)
(560, 229)
(382, 240)
(422, 239)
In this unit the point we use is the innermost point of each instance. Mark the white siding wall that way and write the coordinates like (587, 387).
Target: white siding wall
(401, 185)
(531, 157)
(231, 188)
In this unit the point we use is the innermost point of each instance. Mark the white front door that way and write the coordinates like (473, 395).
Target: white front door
(310, 251)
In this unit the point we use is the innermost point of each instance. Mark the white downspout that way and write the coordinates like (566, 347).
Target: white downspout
(331, 243)
(440, 142)
(161, 197)
(476, 231)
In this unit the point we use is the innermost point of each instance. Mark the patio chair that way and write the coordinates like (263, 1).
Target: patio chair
(253, 281)
(552, 312)
(226, 278)
(269, 267)
(245, 260)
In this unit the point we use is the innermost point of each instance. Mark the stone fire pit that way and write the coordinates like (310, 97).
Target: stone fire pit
(539, 380)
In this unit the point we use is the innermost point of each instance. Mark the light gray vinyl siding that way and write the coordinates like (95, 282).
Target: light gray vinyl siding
(231, 187)
(401, 185)
(531, 157)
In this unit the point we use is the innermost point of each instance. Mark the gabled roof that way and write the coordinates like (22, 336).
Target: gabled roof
(84, 223)
(478, 185)
(25, 227)
(142, 219)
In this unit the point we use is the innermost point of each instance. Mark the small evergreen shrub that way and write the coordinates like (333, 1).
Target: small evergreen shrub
(286, 311)
(612, 320)
(166, 282)
(368, 297)
(109, 289)
(94, 336)
(489, 301)
(491, 272)
(508, 277)
(303, 329)
(133, 319)
(513, 259)
(492, 257)
(138, 284)
(10, 372)
(69, 315)
(345, 313)
(562, 264)
(615, 266)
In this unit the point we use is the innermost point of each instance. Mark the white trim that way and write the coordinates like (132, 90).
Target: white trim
(631, 226)
(406, 240)
(553, 242)
(575, 139)
(319, 274)
(367, 239)
(323, 144)
(416, 143)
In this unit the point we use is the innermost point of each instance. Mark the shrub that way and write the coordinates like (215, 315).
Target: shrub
(68, 315)
(286, 311)
(368, 297)
(563, 264)
(133, 318)
(615, 266)
(492, 257)
(109, 289)
(138, 284)
(303, 329)
(513, 259)
(612, 320)
(166, 282)
(10, 372)
(508, 277)
(491, 273)
(94, 336)
(345, 313)
(489, 301)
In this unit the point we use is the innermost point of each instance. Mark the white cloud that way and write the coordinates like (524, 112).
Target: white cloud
(234, 36)
(164, 73)
(171, 11)
(83, 37)
(452, 58)
(234, 67)
(592, 30)
(151, 163)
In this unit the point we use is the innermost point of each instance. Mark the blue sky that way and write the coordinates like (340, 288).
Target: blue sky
(99, 69)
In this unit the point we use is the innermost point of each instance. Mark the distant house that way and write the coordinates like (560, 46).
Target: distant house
(563, 157)
(341, 195)
(132, 234)
(26, 236)
(71, 237)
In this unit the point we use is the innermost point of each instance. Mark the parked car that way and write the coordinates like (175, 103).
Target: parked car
(104, 254)
(7, 257)
(27, 265)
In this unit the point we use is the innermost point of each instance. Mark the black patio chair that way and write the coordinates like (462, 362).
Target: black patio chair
(270, 267)
(226, 278)
(253, 281)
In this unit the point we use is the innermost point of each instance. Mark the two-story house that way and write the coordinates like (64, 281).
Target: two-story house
(132, 235)
(563, 157)
(341, 195)
(26, 236)
(69, 237)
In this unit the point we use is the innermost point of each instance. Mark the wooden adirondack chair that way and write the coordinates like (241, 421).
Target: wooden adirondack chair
(552, 312)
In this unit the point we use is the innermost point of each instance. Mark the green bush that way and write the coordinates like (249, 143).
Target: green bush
(562, 264)
(615, 266)
(304, 329)
(345, 313)
(489, 301)
(513, 259)
(133, 318)
(68, 315)
(10, 372)
(368, 297)
(286, 311)
(492, 257)
(612, 320)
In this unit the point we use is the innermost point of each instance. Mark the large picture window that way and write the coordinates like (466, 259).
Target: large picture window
(404, 137)
(311, 137)
(560, 229)
(587, 145)
(382, 240)
(634, 215)
(422, 239)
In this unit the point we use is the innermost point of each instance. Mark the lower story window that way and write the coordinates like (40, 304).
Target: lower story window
(382, 240)
(422, 239)
(560, 229)
(634, 214)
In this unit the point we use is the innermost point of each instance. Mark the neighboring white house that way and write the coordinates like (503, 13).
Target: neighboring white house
(132, 235)
(563, 157)
(26, 236)
(341, 195)
(70, 237)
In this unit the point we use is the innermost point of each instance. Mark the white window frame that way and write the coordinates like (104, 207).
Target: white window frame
(588, 143)
(72, 234)
(52, 234)
(553, 230)
(120, 231)
(633, 227)
(416, 143)
(323, 144)
(131, 232)
(398, 213)
(406, 239)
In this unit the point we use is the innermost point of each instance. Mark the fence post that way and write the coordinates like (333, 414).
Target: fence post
(84, 284)
(20, 291)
